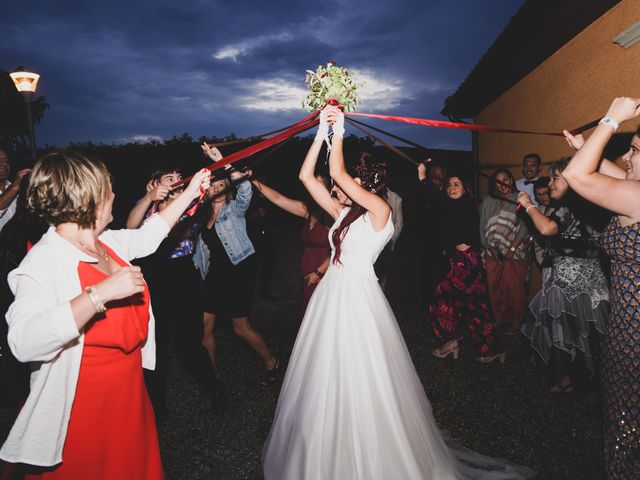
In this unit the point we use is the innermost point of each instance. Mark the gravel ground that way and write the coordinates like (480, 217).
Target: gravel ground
(499, 410)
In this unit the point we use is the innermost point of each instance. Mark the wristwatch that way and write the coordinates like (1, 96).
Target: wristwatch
(609, 121)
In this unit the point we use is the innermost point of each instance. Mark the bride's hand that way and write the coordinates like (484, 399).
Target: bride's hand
(323, 127)
(335, 118)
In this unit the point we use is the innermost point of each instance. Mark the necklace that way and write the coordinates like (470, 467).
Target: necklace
(104, 253)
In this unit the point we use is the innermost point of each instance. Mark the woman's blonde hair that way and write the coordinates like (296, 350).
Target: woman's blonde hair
(68, 187)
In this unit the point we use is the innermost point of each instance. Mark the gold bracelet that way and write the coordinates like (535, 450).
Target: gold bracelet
(95, 299)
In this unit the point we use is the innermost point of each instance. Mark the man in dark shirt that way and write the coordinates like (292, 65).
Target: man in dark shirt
(434, 264)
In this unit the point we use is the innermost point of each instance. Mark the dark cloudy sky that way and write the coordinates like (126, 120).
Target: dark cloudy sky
(115, 71)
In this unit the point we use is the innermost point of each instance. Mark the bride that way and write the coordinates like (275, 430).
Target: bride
(352, 405)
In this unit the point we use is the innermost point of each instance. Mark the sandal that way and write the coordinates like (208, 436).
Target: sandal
(449, 348)
(560, 388)
(489, 358)
(271, 375)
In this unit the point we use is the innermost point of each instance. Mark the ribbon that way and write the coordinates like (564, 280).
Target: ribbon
(304, 124)
(192, 211)
(252, 138)
(466, 126)
(310, 121)
(394, 149)
(389, 134)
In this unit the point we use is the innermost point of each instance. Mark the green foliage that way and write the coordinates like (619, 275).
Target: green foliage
(330, 82)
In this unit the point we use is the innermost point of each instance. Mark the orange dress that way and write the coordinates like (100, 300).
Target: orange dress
(112, 430)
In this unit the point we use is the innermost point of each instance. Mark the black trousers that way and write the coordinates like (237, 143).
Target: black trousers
(175, 287)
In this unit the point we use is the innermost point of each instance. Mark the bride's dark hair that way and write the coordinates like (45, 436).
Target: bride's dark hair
(373, 177)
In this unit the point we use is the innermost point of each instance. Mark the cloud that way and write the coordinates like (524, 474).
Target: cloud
(273, 95)
(140, 138)
(378, 91)
(112, 70)
(233, 51)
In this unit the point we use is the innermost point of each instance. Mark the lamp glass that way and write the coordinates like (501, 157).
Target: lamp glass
(25, 81)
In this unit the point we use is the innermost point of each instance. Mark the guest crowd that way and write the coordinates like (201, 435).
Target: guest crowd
(87, 307)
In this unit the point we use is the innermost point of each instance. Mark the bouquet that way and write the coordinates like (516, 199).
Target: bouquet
(330, 84)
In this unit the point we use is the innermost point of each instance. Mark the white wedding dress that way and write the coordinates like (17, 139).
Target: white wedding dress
(352, 406)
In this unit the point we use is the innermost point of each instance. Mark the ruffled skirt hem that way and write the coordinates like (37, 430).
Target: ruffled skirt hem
(565, 323)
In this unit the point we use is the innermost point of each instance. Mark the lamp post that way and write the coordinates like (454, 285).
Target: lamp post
(26, 83)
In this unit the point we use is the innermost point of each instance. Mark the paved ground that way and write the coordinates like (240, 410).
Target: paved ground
(499, 410)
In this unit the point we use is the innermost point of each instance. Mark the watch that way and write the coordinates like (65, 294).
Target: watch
(609, 121)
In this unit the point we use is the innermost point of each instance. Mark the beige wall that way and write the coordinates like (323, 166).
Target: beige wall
(572, 87)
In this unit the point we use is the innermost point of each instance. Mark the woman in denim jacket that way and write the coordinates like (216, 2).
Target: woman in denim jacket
(229, 285)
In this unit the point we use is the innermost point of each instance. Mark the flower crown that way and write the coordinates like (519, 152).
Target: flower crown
(372, 175)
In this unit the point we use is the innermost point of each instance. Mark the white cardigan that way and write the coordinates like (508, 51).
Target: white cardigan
(43, 332)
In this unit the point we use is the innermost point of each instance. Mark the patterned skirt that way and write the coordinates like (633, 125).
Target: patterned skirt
(571, 305)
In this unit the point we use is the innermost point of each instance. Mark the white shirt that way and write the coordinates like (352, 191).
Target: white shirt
(43, 332)
(7, 213)
(395, 202)
(527, 188)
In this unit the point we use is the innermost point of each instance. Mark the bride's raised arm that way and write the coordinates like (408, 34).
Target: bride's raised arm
(307, 176)
(377, 207)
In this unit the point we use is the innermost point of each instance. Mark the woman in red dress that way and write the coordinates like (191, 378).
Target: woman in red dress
(82, 319)
(314, 238)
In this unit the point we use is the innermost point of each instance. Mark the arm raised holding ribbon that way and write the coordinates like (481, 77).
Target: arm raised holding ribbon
(611, 192)
(606, 167)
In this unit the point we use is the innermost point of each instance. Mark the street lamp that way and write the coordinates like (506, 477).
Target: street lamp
(26, 83)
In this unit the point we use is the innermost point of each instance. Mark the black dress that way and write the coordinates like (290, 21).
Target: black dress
(228, 288)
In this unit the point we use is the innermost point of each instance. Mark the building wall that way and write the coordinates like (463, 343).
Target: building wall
(572, 87)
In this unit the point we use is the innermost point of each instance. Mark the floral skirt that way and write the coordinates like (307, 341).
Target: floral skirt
(462, 297)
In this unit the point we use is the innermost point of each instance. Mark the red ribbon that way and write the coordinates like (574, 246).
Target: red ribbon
(466, 126)
(304, 124)
(310, 121)
(192, 211)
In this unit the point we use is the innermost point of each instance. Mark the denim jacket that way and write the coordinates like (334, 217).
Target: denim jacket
(231, 225)
(201, 257)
